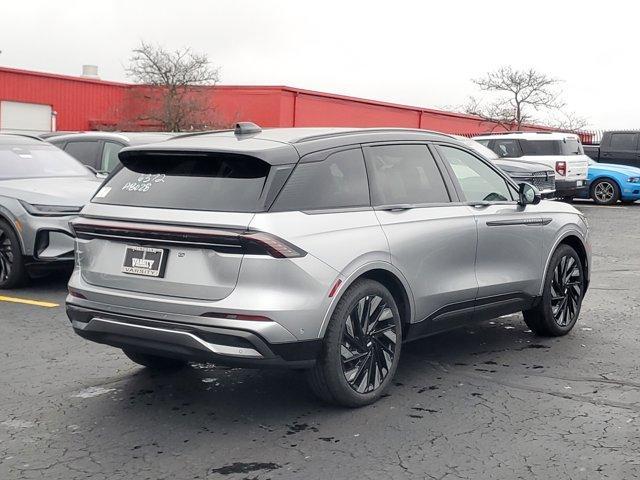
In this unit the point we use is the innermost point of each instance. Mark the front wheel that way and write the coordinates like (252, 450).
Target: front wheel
(361, 347)
(13, 272)
(559, 308)
(605, 192)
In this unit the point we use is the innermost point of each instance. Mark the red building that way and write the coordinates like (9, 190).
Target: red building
(36, 101)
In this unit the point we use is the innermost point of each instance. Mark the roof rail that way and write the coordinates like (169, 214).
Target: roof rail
(367, 130)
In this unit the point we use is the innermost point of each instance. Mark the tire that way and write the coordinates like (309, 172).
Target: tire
(605, 192)
(356, 364)
(155, 362)
(13, 272)
(559, 308)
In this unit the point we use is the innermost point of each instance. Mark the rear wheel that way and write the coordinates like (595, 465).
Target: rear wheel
(12, 269)
(559, 308)
(605, 192)
(361, 347)
(154, 362)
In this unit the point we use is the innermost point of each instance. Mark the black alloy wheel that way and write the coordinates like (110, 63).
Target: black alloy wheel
(6, 257)
(368, 345)
(566, 291)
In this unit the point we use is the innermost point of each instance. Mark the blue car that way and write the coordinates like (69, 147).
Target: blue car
(609, 183)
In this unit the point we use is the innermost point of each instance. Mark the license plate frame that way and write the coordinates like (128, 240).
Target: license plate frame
(145, 261)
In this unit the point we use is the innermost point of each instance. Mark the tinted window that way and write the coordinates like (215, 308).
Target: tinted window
(624, 141)
(568, 146)
(505, 147)
(31, 161)
(86, 152)
(404, 174)
(339, 181)
(479, 182)
(110, 156)
(218, 182)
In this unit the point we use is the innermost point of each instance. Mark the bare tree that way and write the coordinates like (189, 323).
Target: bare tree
(568, 122)
(179, 84)
(516, 94)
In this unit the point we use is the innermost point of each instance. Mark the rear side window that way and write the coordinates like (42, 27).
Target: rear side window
(339, 181)
(568, 146)
(86, 152)
(215, 182)
(404, 174)
(624, 141)
(505, 147)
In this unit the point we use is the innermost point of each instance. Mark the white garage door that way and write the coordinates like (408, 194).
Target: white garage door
(25, 117)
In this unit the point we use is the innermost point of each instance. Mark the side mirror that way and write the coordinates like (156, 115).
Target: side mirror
(528, 194)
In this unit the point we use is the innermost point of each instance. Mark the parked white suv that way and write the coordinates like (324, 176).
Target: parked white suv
(560, 151)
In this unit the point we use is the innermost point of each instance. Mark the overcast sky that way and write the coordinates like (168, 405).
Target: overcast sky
(417, 53)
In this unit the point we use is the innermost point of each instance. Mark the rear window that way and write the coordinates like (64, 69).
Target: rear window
(216, 182)
(568, 146)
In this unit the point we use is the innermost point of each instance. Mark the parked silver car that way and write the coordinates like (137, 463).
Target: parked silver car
(321, 249)
(41, 189)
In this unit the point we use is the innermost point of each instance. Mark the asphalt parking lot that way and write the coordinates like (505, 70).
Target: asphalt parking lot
(491, 401)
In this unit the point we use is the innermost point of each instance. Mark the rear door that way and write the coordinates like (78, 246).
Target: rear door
(432, 237)
(509, 254)
(622, 148)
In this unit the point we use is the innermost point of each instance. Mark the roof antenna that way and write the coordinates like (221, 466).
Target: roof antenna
(246, 128)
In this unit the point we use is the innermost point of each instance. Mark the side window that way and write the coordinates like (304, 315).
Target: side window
(86, 152)
(339, 181)
(624, 141)
(110, 156)
(404, 174)
(479, 182)
(505, 147)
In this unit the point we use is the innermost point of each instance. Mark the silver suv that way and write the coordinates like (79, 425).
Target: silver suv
(320, 249)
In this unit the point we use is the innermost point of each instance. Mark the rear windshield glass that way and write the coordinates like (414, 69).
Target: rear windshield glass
(33, 161)
(216, 182)
(568, 146)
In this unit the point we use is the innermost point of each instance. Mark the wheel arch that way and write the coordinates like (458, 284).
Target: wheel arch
(9, 219)
(389, 276)
(575, 240)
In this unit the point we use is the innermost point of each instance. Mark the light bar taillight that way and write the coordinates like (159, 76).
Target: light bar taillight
(237, 316)
(561, 168)
(261, 242)
(220, 239)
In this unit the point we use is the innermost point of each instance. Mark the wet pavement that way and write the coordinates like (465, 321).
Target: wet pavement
(488, 401)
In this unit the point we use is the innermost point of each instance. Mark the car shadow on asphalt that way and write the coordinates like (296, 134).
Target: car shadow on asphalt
(210, 397)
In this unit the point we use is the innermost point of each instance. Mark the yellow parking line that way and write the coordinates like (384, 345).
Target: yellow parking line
(26, 301)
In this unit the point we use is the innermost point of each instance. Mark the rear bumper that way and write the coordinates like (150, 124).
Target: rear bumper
(199, 343)
(570, 188)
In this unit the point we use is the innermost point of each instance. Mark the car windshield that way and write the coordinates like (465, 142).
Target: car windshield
(33, 161)
(482, 150)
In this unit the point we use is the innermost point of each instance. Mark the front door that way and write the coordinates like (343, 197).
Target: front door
(509, 253)
(622, 149)
(432, 240)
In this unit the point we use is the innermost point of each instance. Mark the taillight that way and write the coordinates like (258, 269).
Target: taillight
(561, 168)
(259, 243)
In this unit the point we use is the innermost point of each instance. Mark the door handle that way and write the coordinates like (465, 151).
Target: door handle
(396, 208)
(479, 204)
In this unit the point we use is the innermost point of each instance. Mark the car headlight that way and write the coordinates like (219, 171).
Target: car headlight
(633, 179)
(50, 210)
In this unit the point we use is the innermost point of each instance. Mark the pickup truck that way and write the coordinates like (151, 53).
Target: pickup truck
(617, 146)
